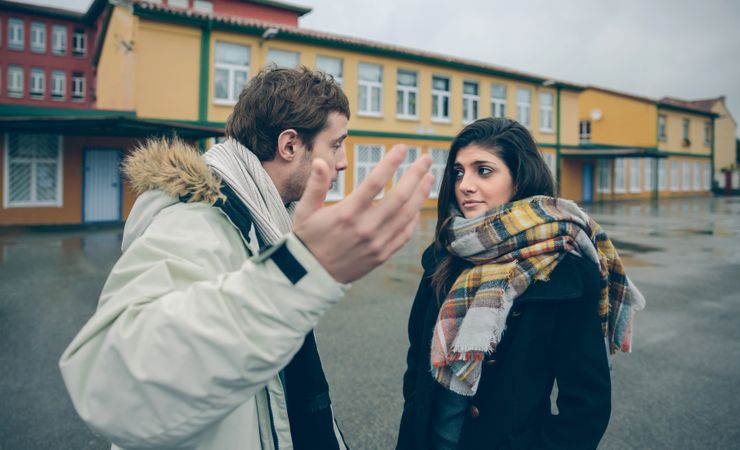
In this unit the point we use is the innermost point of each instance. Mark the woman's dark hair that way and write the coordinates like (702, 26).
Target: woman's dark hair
(278, 99)
(510, 141)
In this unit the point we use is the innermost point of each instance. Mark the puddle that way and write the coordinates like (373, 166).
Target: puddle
(633, 247)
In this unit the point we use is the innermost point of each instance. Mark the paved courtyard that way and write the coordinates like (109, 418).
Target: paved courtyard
(678, 390)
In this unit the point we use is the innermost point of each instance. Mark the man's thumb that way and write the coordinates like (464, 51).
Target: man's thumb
(314, 195)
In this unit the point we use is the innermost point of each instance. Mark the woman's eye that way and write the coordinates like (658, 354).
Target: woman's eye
(457, 173)
(484, 170)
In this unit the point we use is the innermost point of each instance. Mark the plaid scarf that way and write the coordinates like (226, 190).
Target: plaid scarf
(512, 246)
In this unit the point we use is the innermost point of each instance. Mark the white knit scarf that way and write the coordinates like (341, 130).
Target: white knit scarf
(243, 172)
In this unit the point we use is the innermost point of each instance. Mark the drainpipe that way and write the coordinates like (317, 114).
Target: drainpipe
(711, 176)
(205, 58)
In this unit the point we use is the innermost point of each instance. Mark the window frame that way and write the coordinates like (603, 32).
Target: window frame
(37, 75)
(79, 42)
(286, 53)
(707, 134)
(604, 172)
(438, 98)
(16, 26)
(697, 185)
(59, 39)
(707, 170)
(337, 79)
(77, 79)
(524, 109)
(635, 166)
(38, 37)
(547, 112)
(18, 75)
(498, 104)
(336, 190)
(437, 169)
(56, 94)
(584, 132)
(675, 177)
(662, 128)
(232, 69)
(33, 203)
(649, 174)
(471, 101)
(404, 93)
(367, 165)
(662, 174)
(407, 162)
(620, 175)
(685, 176)
(368, 86)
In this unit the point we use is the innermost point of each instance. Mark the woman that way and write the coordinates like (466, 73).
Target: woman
(519, 290)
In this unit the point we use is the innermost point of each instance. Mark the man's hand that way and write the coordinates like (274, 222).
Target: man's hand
(353, 237)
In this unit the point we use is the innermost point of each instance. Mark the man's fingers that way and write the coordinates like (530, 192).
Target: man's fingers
(314, 195)
(406, 186)
(376, 180)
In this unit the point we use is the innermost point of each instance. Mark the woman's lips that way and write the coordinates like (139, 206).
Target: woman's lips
(470, 203)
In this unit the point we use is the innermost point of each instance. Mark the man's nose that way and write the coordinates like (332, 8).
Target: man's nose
(341, 163)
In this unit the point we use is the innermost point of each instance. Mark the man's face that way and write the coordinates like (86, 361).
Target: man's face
(327, 145)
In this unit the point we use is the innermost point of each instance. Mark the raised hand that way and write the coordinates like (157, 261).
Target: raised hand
(354, 236)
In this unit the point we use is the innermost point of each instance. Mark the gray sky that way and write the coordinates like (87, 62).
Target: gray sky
(680, 48)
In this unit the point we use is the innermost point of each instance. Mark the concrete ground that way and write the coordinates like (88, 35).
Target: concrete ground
(678, 390)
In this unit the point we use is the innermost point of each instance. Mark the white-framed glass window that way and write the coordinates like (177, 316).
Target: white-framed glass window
(15, 81)
(231, 71)
(37, 88)
(605, 176)
(439, 161)
(498, 100)
(697, 176)
(470, 101)
(411, 156)
(15, 33)
(686, 176)
(367, 156)
(336, 192)
(58, 84)
(649, 173)
(370, 89)
(178, 3)
(407, 91)
(707, 133)
(33, 170)
(584, 131)
(78, 86)
(686, 127)
(675, 180)
(635, 175)
(546, 112)
(440, 99)
(620, 185)
(203, 5)
(283, 58)
(661, 128)
(707, 176)
(38, 37)
(331, 66)
(549, 161)
(524, 107)
(59, 39)
(662, 178)
(79, 42)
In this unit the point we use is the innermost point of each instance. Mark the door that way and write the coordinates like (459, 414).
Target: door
(102, 186)
(588, 182)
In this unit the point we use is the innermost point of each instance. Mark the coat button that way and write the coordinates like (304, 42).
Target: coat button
(474, 412)
(491, 362)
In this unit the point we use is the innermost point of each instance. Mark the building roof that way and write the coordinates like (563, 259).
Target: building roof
(301, 10)
(162, 12)
(703, 107)
(48, 11)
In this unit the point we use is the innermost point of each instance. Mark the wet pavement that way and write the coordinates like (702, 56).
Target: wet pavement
(678, 390)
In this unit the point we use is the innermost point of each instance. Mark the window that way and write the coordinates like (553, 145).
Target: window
(605, 177)
(707, 176)
(439, 161)
(370, 89)
(686, 176)
(336, 192)
(707, 133)
(178, 3)
(38, 83)
(470, 101)
(33, 170)
(15, 34)
(546, 112)
(550, 162)
(231, 71)
(332, 66)
(440, 99)
(498, 100)
(59, 39)
(675, 181)
(649, 174)
(686, 140)
(38, 37)
(584, 131)
(411, 156)
(620, 186)
(635, 175)
(79, 42)
(697, 176)
(15, 81)
(524, 107)
(662, 179)
(661, 128)
(203, 5)
(283, 58)
(407, 91)
(78, 86)
(58, 83)
(366, 157)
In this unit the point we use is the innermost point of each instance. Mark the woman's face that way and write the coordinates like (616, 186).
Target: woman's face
(482, 181)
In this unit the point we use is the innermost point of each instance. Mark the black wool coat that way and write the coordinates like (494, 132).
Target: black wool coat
(553, 332)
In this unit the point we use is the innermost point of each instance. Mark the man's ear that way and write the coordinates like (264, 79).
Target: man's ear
(287, 144)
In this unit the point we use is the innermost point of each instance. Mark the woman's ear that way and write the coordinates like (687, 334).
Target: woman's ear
(286, 145)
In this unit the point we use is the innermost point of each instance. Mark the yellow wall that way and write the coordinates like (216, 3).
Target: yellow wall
(725, 135)
(569, 117)
(116, 79)
(674, 133)
(625, 121)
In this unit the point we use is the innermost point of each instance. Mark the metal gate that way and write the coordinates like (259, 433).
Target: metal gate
(101, 201)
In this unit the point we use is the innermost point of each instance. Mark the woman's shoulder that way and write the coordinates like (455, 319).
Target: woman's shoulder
(430, 258)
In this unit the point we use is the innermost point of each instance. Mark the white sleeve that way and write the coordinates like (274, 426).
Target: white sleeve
(179, 341)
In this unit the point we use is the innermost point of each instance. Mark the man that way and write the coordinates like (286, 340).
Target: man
(216, 289)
